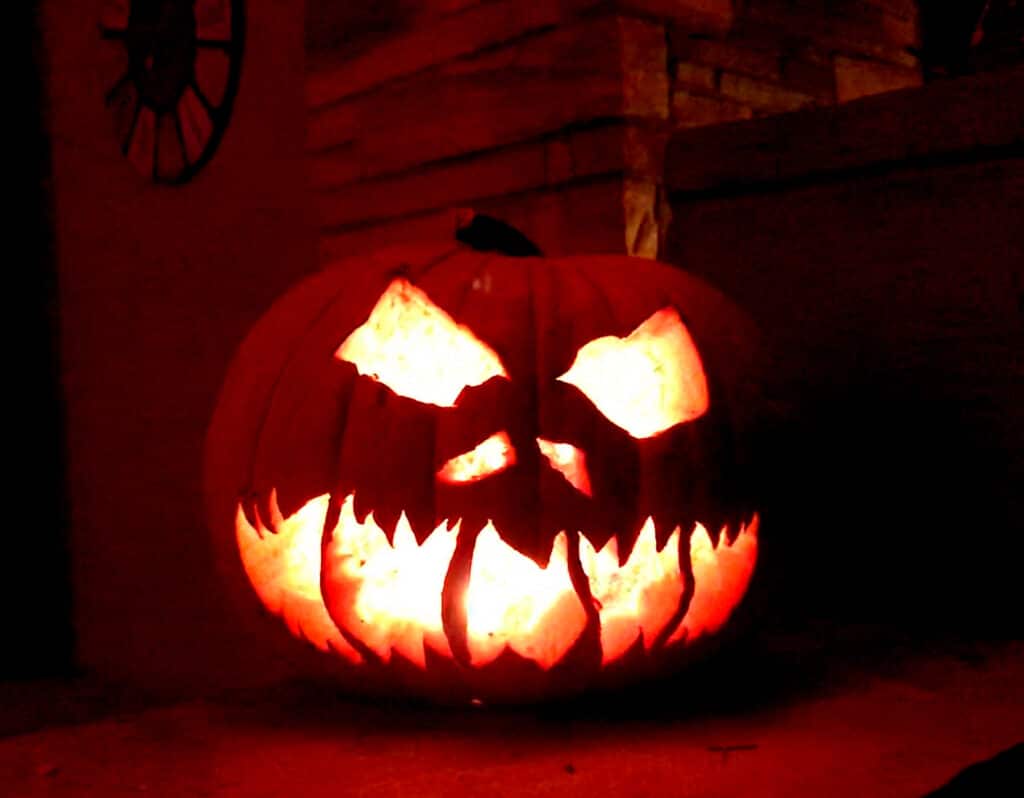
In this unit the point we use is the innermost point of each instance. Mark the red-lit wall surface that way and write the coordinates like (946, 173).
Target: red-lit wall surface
(157, 287)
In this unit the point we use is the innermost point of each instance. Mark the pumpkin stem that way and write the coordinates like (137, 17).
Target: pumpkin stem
(487, 234)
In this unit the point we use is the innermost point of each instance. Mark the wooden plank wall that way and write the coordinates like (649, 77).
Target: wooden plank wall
(526, 110)
(555, 114)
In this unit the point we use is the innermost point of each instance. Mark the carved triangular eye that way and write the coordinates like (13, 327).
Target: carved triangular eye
(416, 349)
(488, 457)
(646, 382)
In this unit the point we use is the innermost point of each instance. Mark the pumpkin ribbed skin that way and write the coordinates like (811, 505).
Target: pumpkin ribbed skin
(298, 429)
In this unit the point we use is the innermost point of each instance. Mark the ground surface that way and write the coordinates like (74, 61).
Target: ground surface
(879, 727)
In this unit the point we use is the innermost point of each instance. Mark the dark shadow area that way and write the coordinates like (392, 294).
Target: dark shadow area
(889, 298)
(970, 36)
(36, 615)
(32, 704)
(947, 32)
(896, 506)
(1001, 775)
(762, 667)
(748, 675)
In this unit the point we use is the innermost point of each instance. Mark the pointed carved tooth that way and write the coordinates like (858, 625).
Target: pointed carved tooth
(625, 546)
(512, 602)
(701, 543)
(247, 505)
(276, 519)
(610, 550)
(387, 594)
(661, 530)
(284, 569)
(721, 576)
(422, 525)
(379, 525)
(258, 520)
(402, 537)
(638, 597)
(714, 534)
(361, 508)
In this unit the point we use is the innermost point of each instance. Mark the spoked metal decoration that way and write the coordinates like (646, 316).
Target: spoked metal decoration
(178, 69)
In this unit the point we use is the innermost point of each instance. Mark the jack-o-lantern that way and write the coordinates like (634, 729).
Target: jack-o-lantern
(490, 476)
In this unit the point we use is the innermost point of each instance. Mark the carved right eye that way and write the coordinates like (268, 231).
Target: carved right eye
(646, 382)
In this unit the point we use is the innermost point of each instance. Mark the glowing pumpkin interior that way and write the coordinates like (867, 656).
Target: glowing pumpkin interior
(351, 590)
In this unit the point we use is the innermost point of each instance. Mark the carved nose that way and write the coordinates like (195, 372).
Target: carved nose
(569, 461)
(489, 457)
(497, 453)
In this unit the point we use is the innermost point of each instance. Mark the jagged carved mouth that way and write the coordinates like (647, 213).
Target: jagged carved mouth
(367, 598)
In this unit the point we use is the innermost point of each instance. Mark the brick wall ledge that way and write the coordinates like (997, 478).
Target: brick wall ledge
(973, 118)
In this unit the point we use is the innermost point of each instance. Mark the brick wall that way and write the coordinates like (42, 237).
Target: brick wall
(779, 55)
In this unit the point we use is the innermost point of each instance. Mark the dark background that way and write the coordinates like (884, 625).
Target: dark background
(37, 597)
(893, 466)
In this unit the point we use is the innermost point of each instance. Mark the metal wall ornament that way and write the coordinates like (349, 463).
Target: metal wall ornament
(176, 66)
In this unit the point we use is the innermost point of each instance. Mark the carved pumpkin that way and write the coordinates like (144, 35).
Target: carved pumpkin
(490, 476)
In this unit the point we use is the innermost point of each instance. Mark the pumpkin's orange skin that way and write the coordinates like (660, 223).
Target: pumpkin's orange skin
(277, 432)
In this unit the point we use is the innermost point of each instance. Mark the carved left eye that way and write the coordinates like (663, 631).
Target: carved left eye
(488, 457)
(646, 382)
(411, 345)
